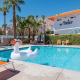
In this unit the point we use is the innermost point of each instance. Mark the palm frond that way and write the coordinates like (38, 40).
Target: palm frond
(21, 2)
(19, 9)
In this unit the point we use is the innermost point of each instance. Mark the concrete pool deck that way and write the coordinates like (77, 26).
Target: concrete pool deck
(31, 71)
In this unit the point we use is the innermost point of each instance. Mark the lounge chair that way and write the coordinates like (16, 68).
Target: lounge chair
(36, 41)
(31, 42)
(58, 41)
(67, 41)
(3, 63)
(43, 41)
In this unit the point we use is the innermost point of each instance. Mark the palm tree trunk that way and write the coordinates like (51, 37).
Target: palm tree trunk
(18, 35)
(21, 35)
(29, 35)
(4, 26)
(4, 22)
(44, 29)
(14, 21)
(33, 34)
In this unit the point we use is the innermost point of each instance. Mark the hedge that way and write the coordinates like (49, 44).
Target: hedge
(74, 39)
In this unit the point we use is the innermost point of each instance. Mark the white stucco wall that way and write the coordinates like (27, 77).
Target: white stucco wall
(75, 22)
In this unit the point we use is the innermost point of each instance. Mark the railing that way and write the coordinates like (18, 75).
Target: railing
(50, 42)
(9, 36)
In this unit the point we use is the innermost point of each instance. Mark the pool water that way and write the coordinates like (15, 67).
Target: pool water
(62, 57)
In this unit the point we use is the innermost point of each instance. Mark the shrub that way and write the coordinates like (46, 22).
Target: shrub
(49, 32)
(74, 39)
(26, 40)
(1, 32)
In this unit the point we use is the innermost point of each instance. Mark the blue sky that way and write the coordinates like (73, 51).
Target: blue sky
(41, 7)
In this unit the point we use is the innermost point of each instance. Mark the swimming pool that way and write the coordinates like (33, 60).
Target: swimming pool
(62, 57)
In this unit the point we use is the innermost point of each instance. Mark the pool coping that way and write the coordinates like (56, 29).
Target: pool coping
(24, 46)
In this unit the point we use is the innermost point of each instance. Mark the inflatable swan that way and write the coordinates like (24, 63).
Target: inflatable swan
(23, 54)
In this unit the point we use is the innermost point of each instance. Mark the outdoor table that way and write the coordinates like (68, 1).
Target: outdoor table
(62, 42)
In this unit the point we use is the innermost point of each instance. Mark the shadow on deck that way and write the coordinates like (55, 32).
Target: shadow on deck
(4, 75)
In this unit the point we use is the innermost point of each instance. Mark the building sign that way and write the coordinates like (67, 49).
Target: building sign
(68, 22)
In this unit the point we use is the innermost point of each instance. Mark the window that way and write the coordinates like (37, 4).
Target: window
(59, 19)
(73, 17)
(60, 24)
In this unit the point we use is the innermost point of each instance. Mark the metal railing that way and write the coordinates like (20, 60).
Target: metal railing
(50, 42)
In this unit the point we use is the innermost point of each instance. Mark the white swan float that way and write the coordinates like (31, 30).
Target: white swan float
(23, 54)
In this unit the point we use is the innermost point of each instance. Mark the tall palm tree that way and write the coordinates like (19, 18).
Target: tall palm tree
(4, 10)
(4, 25)
(21, 28)
(14, 3)
(43, 18)
(44, 24)
(35, 25)
(28, 26)
(36, 16)
(18, 19)
(29, 23)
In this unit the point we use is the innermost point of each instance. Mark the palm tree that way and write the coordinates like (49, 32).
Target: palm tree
(29, 23)
(28, 26)
(43, 17)
(4, 10)
(35, 25)
(21, 28)
(14, 3)
(4, 25)
(36, 16)
(18, 19)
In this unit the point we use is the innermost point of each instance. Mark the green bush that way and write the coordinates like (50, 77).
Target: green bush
(1, 32)
(26, 40)
(74, 39)
(49, 32)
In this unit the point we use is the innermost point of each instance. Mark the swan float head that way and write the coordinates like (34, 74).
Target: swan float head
(16, 43)
(22, 54)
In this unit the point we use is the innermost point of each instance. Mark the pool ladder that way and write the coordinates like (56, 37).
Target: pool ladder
(50, 42)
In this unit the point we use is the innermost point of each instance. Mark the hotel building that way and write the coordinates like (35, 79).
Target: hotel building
(66, 23)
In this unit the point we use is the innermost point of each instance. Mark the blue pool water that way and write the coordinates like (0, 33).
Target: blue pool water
(68, 58)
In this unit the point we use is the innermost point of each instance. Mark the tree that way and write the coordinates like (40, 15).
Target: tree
(29, 23)
(18, 19)
(43, 17)
(1, 32)
(4, 25)
(36, 16)
(14, 3)
(4, 10)
(35, 25)
(21, 28)
(44, 24)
